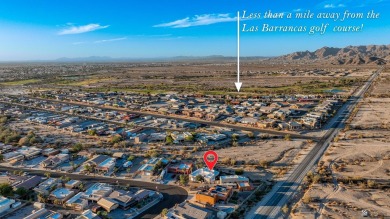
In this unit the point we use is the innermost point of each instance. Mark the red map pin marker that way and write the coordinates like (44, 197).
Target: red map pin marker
(210, 158)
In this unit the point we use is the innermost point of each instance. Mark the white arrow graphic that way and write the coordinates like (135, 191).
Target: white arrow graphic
(238, 83)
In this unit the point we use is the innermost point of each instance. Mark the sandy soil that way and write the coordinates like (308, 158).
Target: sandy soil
(52, 135)
(382, 88)
(269, 150)
(373, 113)
(357, 153)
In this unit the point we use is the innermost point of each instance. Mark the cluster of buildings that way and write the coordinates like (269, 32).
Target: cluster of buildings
(107, 197)
(72, 195)
(290, 111)
(145, 129)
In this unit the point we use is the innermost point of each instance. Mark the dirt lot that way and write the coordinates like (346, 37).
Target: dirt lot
(373, 113)
(359, 162)
(382, 88)
(53, 136)
(268, 150)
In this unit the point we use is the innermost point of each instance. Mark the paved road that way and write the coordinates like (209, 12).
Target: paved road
(172, 194)
(283, 191)
(211, 123)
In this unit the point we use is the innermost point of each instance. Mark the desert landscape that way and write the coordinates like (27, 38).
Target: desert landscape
(354, 173)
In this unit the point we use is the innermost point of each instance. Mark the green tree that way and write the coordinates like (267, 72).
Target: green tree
(6, 189)
(184, 179)
(77, 147)
(115, 139)
(189, 138)
(88, 168)
(131, 158)
(199, 178)
(239, 171)
(81, 186)
(22, 192)
(169, 140)
(42, 198)
(92, 132)
(47, 174)
(164, 212)
(287, 137)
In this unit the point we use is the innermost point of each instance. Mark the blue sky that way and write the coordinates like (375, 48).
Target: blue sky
(47, 29)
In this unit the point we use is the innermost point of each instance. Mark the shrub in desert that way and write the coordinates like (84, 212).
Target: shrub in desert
(371, 184)
(264, 163)
(24, 141)
(226, 160)
(285, 209)
(316, 178)
(306, 199)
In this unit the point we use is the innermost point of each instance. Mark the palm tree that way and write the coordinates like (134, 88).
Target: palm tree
(42, 198)
(81, 186)
(47, 174)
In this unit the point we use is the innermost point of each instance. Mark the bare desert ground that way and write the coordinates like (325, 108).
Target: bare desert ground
(268, 150)
(354, 173)
(53, 136)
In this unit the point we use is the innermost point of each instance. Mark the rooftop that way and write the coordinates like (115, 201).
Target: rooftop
(205, 172)
(97, 187)
(61, 193)
(5, 201)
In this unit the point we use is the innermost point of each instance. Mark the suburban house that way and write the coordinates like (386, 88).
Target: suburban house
(96, 160)
(107, 165)
(180, 168)
(207, 174)
(88, 214)
(125, 199)
(77, 202)
(187, 210)
(108, 204)
(206, 198)
(50, 152)
(27, 183)
(268, 123)
(48, 185)
(54, 161)
(98, 191)
(222, 192)
(72, 184)
(61, 195)
(148, 168)
(44, 213)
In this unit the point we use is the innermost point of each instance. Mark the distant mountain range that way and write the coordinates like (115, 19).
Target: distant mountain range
(357, 55)
(176, 58)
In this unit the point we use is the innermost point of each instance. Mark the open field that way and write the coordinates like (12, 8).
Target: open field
(20, 82)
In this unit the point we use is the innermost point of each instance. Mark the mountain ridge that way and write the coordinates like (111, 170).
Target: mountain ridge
(356, 55)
